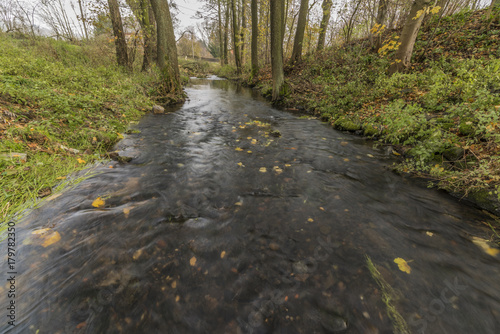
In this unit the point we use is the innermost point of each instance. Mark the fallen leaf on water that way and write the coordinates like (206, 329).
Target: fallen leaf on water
(51, 239)
(254, 141)
(222, 254)
(239, 149)
(81, 325)
(483, 244)
(177, 298)
(370, 155)
(346, 159)
(249, 138)
(192, 262)
(174, 284)
(322, 208)
(288, 165)
(137, 254)
(277, 169)
(240, 164)
(310, 220)
(263, 169)
(430, 234)
(126, 212)
(98, 203)
(403, 265)
(40, 231)
(238, 203)
(80, 161)
(249, 151)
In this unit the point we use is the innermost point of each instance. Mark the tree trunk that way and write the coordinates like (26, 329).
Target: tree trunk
(120, 42)
(236, 40)
(299, 34)
(408, 37)
(83, 19)
(243, 30)
(327, 6)
(166, 45)
(141, 10)
(381, 16)
(489, 16)
(255, 38)
(148, 30)
(277, 16)
(226, 35)
(221, 42)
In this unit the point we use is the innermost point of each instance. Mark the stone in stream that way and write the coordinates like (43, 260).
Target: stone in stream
(158, 109)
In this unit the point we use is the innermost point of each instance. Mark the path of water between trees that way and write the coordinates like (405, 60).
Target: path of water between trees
(234, 217)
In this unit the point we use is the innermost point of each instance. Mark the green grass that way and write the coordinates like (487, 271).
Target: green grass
(442, 115)
(55, 94)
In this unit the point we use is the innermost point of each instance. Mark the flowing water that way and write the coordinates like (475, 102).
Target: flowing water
(234, 217)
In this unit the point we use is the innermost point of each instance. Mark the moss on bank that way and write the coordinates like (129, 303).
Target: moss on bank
(442, 116)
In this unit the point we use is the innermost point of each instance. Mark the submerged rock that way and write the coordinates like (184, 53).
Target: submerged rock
(158, 109)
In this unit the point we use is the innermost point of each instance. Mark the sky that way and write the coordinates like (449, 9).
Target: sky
(187, 11)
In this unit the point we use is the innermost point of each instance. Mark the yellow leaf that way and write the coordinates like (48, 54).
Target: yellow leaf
(310, 220)
(435, 9)
(120, 136)
(60, 177)
(137, 254)
(288, 165)
(174, 284)
(322, 208)
(403, 265)
(395, 153)
(192, 262)
(254, 141)
(483, 244)
(239, 149)
(126, 212)
(240, 164)
(249, 151)
(277, 169)
(222, 254)
(177, 298)
(430, 234)
(51, 239)
(98, 202)
(238, 204)
(80, 161)
(40, 231)
(263, 169)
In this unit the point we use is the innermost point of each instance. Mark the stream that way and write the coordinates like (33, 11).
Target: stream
(235, 217)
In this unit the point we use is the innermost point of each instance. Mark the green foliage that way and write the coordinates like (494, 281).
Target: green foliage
(67, 104)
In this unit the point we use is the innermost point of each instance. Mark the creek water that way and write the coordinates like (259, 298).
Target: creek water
(234, 217)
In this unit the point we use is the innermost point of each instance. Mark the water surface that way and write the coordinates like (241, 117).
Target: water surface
(234, 217)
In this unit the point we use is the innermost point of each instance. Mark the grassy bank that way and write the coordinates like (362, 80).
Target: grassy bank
(62, 106)
(442, 117)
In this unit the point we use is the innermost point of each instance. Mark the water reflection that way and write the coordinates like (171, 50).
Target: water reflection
(219, 226)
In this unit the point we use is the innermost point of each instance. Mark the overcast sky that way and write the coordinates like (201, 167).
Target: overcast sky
(187, 11)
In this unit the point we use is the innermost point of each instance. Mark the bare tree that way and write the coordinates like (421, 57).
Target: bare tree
(299, 34)
(327, 8)
(120, 42)
(277, 17)
(255, 38)
(166, 46)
